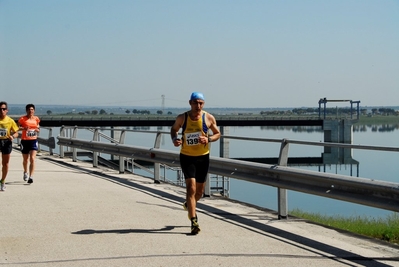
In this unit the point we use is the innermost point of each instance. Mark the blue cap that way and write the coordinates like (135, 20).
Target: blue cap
(197, 95)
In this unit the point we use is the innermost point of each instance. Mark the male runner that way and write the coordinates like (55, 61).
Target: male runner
(194, 152)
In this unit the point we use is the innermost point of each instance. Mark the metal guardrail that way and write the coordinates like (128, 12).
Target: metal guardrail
(49, 141)
(311, 143)
(369, 192)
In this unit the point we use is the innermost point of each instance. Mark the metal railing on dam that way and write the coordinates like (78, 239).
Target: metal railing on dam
(331, 125)
(369, 192)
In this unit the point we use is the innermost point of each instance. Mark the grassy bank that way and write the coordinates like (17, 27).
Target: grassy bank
(384, 229)
(378, 120)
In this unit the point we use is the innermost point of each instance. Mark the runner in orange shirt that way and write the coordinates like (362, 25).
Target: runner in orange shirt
(29, 124)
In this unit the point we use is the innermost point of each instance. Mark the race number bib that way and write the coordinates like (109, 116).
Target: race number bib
(3, 132)
(192, 139)
(31, 133)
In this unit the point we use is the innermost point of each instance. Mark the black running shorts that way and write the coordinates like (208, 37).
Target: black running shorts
(195, 167)
(28, 145)
(5, 146)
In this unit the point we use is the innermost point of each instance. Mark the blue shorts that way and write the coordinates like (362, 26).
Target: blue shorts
(28, 145)
(195, 167)
(5, 146)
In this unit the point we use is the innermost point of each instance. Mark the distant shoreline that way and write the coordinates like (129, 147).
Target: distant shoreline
(363, 119)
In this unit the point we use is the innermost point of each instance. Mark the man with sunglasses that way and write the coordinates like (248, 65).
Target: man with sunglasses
(8, 132)
(194, 151)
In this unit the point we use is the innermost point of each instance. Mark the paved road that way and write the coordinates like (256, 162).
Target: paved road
(77, 215)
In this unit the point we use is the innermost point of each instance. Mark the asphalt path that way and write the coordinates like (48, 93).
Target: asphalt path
(77, 215)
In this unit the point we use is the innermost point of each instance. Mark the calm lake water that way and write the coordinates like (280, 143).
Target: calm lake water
(378, 165)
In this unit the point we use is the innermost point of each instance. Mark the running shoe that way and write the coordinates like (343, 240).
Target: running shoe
(25, 176)
(195, 229)
(2, 187)
(30, 180)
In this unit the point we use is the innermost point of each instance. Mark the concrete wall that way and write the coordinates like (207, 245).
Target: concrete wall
(338, 131)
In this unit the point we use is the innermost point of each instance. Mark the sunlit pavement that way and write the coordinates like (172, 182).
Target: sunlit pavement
(77, 215)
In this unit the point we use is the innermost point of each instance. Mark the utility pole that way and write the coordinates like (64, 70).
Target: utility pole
(163, 104)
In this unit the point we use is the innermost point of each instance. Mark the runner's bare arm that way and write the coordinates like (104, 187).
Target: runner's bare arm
(215, 129)
(174, 131)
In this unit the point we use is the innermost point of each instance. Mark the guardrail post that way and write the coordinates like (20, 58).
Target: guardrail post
(282, 192)
(157, 166)
(122, 159)
(74, 150)
(95, 154)
(224, 148)
(62, 134)
(50, 134)
(224, 152)
(112, 134)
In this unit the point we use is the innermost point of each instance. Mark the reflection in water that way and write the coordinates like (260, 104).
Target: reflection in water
(298, 129)
(311, 129)
(376, 128)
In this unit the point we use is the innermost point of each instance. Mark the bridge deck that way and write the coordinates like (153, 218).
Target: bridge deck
(77, 215)
(138, 121)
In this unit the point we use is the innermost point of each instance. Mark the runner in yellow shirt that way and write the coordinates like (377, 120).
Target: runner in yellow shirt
(8, 132)
(194, 151)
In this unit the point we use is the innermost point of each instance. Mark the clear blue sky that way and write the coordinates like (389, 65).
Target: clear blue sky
(245, 53)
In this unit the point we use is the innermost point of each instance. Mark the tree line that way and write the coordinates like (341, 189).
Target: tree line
(104, 112)
(295, 111)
